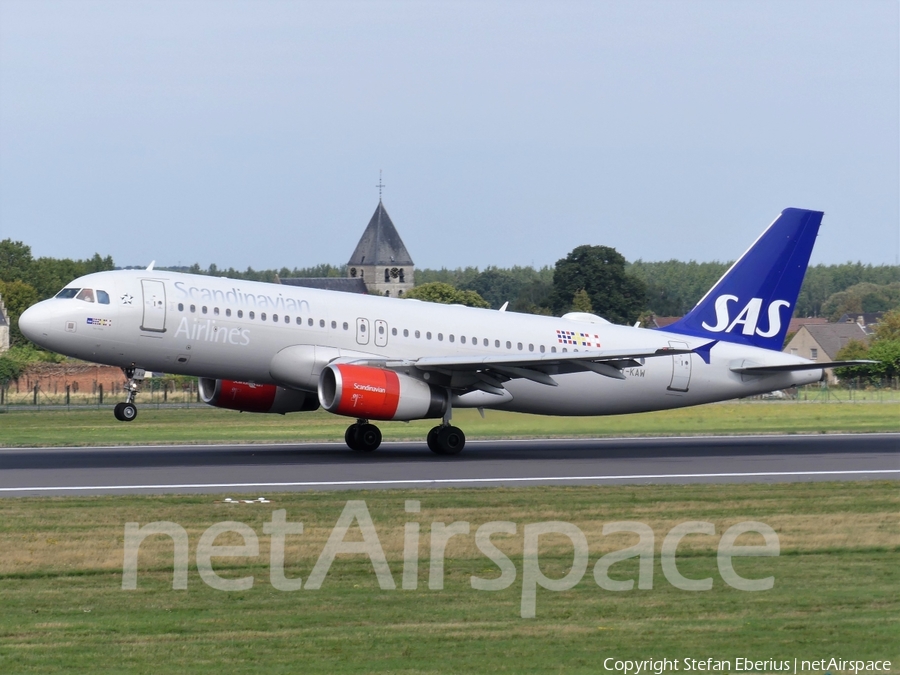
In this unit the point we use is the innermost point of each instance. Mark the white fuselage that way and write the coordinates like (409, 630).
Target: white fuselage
(229, 329)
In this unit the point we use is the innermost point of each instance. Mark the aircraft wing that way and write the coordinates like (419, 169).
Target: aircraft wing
(489, 372)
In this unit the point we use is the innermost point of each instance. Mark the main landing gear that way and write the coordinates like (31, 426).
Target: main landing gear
(127, 410)
(443, 439)
(362, 436)
(446, 439)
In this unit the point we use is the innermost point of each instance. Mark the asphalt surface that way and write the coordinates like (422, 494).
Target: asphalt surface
(260, 469)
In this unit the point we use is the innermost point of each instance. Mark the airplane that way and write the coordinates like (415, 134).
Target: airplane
(269, 348)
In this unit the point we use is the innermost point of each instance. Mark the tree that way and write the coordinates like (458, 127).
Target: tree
(860, 298)
(673, 286)
(15, 261)
(495, 285)
(581, 302)
(889, 326)
(9, 370)
(600, 271)
(884, 348)
(17, 296)
(437, 291)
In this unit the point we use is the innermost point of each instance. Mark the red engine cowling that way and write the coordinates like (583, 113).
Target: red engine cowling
(378, 394)
(249, 397)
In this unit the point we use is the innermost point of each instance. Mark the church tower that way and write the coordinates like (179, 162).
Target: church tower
(381, 259)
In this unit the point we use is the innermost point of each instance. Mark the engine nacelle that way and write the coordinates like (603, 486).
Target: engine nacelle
(259, 398)
(378, 394)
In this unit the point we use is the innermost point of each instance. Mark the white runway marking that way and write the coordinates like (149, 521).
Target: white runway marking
(447, 481)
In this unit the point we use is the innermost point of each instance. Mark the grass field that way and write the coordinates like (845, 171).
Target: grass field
(211, 425)
(64, 610)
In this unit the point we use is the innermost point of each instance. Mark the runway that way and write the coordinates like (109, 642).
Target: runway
(259, 469)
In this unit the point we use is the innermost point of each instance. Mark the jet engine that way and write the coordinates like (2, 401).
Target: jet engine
(378, 394)
(250, 397)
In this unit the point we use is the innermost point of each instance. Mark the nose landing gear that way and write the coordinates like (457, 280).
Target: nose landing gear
(127, 410)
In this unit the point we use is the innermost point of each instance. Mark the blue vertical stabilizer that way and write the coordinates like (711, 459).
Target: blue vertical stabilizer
(753, 302)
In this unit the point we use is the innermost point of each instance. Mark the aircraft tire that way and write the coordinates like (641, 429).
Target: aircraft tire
(368, 437)
(125, 412)
(431, 439)
(450, 441)
(351, 437)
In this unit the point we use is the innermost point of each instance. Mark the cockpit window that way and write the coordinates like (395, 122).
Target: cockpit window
(103, 297)
(87, 294)
(68, 293)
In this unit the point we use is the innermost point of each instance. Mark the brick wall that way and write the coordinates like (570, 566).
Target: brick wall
(83, 378)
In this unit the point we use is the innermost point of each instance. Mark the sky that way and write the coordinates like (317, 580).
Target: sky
(508, 133)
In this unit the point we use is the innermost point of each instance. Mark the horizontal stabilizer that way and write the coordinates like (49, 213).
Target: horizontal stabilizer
(788, 367)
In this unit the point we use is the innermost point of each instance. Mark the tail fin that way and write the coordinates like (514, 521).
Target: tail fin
(753, 301)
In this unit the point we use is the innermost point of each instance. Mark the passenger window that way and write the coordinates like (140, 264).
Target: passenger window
(193, 308)
(440, 337)
(553, 350)
(299, 321)
(486, 343)
(531, 348)
(274, 317)
(180, 306)
(405, 332)
(428, 335)
(310, 322)
(346, 326)
(240, 314)
(228, 312)
(542, 349)
(452, 338)
(287, 319)
(216, 311)
(262, 316)
(67, 293)
(103, 297)
(334, 324)
(520, 346)
(393, 331)
(497, 344)
(86, 294)
(508, 344)
(204, 309)
(321, 323)
(462, 339)
(418, 334)
(252, 315)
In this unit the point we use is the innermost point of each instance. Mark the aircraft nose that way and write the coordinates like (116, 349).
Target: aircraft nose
(33, 322)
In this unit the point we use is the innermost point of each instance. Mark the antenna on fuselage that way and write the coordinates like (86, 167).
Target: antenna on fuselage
(150, 266)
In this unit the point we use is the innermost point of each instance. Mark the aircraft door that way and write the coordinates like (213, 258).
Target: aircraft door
(381, 333)
(154, 306)
(681, 368)
(362, 331)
